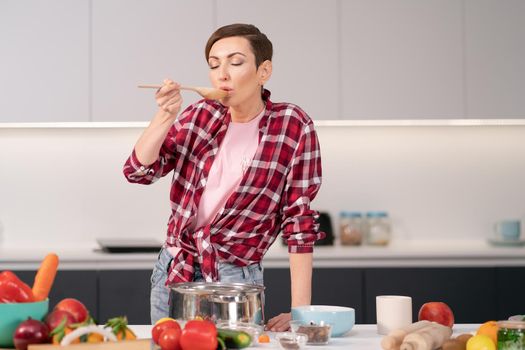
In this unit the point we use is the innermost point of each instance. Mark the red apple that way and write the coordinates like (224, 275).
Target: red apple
(437, 311)
(75, 308)
(55, 317)
(30, 332)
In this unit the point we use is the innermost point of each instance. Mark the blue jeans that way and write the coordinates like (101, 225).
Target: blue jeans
(159, 298)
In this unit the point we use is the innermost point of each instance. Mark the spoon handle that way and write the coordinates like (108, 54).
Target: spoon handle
(146, 86)
(149, 86)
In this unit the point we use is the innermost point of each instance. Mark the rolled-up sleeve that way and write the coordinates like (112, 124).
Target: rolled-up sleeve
(300, 227)
(136, 172)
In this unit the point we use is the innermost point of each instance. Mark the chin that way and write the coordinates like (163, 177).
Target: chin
(226, 101)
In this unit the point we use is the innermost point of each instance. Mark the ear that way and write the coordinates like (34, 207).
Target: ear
(264, 71)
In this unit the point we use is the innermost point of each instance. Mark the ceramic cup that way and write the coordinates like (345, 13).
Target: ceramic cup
(392, 312)
(507, 230)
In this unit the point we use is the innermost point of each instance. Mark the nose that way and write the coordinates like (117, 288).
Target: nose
(224, 74)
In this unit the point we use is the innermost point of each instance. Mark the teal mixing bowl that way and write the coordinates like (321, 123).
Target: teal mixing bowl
(341, 318)
(11, 315)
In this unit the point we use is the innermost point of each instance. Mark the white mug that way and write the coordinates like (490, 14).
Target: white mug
(393, 312)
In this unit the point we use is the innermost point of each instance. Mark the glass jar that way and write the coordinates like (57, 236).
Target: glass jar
(511, 335)
(351, 232)
(378, 229)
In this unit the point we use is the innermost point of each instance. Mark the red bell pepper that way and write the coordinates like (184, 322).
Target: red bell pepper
(13, 290)
(199, 335)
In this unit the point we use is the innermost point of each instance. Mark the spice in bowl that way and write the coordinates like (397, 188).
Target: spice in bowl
(291, 340)
(318, 334)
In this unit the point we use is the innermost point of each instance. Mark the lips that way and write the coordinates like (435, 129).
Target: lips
(226, 88)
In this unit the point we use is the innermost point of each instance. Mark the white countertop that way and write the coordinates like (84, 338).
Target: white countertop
(362, 337)
(398, 254)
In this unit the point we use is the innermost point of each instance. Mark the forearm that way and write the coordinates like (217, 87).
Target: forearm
(301, 278)
(148, 145)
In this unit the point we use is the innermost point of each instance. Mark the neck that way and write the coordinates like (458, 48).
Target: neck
(245, 113)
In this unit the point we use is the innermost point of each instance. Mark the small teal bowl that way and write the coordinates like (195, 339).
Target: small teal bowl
(341, 318)
(11, 315)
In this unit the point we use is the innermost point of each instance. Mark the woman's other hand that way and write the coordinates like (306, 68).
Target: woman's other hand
(279, 323)
(169, 98)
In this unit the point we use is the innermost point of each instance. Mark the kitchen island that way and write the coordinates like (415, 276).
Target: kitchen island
(361, 337)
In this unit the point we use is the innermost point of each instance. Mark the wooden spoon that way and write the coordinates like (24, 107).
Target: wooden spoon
(209, 93)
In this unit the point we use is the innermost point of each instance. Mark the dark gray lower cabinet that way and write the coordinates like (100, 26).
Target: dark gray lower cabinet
(125, 293)
(510, 284)
(277, 292)
(78, 284)
(339, 286)
(330, 286)
(470, 292)
(474, 294)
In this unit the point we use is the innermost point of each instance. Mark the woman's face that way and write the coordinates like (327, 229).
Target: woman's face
(232, 68)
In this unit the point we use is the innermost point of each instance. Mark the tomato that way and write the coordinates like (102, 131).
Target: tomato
(199, 335)
(170, 339)
(95, 338)
(58, 335)
(119, 327)
(75, 308)
(126, 334)
(160, 327)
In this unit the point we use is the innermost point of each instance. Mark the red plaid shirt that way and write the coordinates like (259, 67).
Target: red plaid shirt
(274, 194)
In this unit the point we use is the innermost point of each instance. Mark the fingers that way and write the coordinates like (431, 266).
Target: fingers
(166, 91)
(168, 97)
(280, 323)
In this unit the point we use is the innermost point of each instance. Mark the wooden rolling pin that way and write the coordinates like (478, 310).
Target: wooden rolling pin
(393, 340)
(430, 337)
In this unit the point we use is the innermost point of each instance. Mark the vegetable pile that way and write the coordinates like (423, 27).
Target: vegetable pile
(69, 322)
(197, 335)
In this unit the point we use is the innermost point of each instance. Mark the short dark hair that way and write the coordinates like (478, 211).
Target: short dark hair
(261, 46)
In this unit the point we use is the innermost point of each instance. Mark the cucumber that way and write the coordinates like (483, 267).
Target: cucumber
(234, 339)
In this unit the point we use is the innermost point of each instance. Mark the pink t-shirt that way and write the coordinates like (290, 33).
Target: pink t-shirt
(233, 158)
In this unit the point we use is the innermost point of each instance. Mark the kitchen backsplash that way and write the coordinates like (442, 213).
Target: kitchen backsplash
(65, 185)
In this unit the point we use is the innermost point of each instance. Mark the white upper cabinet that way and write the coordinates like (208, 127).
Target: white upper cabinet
(495, 56)
(44, 60)
(63, 60)
(304, 35)
(136, 41)
(402, 59)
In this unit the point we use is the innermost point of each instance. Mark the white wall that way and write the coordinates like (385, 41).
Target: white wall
(65, 185)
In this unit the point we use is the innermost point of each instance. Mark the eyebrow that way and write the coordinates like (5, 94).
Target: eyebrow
(230, 55)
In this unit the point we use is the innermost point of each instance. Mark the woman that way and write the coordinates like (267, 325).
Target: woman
(245, 169)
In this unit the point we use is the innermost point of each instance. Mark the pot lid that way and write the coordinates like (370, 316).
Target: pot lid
(219, 288)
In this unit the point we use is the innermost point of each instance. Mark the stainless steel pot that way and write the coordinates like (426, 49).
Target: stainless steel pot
(217, 301)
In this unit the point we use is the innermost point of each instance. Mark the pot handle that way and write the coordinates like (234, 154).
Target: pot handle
(227, 298)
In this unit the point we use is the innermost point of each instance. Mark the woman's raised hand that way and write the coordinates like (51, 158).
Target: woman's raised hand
(169, 98)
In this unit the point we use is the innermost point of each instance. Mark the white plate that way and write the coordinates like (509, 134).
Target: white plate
(507, 243)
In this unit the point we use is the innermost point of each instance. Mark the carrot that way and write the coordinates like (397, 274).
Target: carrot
(45, 277)
(264, 338)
